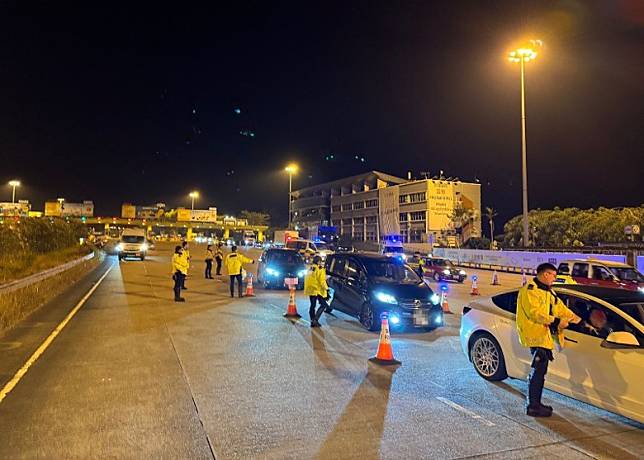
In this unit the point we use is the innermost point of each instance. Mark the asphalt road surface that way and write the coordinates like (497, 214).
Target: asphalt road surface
(135, 375)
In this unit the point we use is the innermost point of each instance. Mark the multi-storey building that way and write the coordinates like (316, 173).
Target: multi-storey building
(368, 206)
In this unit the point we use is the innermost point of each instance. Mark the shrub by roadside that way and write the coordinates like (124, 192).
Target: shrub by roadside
(31, 245)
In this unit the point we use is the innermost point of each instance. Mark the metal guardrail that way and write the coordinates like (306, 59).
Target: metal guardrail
(37, 277)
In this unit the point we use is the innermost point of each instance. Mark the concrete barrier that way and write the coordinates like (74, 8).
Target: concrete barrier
(514, 261)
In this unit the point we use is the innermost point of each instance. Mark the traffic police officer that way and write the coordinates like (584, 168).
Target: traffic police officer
(234, 263)
(179, 272)
(186, 255)
(219, 257)
(316, 288)
(541, 315)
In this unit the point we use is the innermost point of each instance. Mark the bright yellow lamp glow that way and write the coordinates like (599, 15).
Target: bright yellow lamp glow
(291, 169)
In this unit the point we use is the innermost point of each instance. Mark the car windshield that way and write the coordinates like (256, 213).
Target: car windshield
(285, 257)
(322, 246)
(133, 239)
(390, 272)
(627, 274)
(394, 249)
(636, 310)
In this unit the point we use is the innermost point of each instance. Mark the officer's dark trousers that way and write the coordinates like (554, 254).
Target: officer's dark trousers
(218, 266)
(537, 377)
(232, 285)
(208, 268)
(315, 316)
(178, 282)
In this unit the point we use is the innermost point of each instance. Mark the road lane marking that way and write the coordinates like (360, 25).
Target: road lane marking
(41, 349)
(467, 412)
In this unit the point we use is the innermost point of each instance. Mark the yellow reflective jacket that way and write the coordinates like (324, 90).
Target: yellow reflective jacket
(234, 263)
(180, 263)
(536, 309)
(315, 282)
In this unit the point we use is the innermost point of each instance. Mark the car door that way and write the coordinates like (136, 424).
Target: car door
(336, 281)
(506, 332)
(354, 292)
(602, 277)
(603, 376)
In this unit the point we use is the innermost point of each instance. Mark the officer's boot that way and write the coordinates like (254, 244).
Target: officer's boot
(535, 389)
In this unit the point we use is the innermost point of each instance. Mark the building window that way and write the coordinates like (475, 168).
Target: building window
(417, 216)
(335, 208)
(402, 199)
(371, 236)
(346, 222)
(358, 221)
(403, 217)
(347, 207)
(415, 236)
(417, 197)
(358, 205)
(358, 234)
(371, 203)
(346, 231)
(372, 219)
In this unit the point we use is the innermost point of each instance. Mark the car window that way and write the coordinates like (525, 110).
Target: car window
(563, 269)
(352, 269)
(580, 270)
(636, 310)
(337, 266)
(627, 274)
(600, 273)
(133, 239)
(391, 271)
(597, 320)
(285, 257)
(507, 301)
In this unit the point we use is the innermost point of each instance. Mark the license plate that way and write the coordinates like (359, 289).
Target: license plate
(421, 318)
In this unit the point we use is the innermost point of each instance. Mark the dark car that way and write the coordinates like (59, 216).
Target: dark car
(366, 285)
(442, 269)
(276, 264)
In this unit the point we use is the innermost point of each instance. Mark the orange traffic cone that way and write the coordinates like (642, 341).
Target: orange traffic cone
(524, 280)
(250, 292)
(495, 279)
(385, 354)
(444, 303)
(291, 310)
(475, 288)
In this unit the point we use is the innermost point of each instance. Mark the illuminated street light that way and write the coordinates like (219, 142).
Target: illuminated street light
(522, 55)
(193, 195)
(290, 169)
(13, 184)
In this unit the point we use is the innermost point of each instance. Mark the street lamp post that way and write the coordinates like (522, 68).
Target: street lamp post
(290, 169)
(13, 184)
(192, 196)
(523, 55)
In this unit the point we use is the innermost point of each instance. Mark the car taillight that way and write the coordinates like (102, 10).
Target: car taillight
(466, 310)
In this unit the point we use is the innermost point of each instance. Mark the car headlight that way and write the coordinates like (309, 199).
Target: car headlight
(394, 319)
(118, 248)
(386, 298)
(144, 247)
(447, 272)
(462, 272)
(301, 273)
(272, 271)
(403, 257)
(641, 288)
(435, 299)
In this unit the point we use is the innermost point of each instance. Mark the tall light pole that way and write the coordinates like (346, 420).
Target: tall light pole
(13, 184)
(523, 55)
(290, 169)
(193, 195)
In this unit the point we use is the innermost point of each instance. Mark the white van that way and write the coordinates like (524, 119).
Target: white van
(132, 244)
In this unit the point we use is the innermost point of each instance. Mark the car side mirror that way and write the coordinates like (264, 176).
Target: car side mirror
(620, 340)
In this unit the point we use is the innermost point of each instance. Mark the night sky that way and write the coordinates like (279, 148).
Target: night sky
(144, 104)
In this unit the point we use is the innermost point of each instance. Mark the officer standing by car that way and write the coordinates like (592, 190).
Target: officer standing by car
(316, 288)
(234, 262)
(219, 257)
(541, 318)
(179, 272)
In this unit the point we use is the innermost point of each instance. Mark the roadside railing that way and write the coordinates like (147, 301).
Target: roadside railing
(38, 277)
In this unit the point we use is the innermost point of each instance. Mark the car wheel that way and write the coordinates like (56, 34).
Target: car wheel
(368, 318)
(437, 277)
(487, 357)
